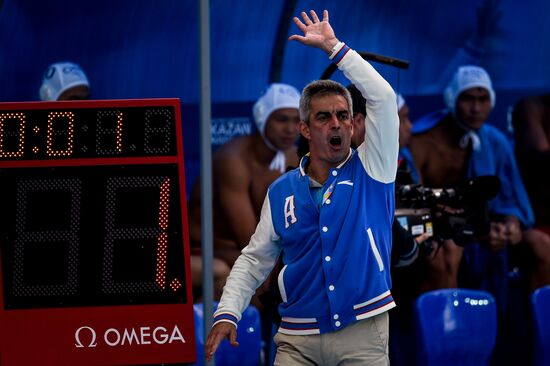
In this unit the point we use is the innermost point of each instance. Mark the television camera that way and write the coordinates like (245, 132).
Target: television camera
(460, 213)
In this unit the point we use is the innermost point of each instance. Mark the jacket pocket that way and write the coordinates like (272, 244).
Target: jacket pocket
(375, 250)
(281, 283)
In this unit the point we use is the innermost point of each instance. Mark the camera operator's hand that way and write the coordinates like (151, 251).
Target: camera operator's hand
(513, 230)
(506, 232)
(497, 237)
(422, 238)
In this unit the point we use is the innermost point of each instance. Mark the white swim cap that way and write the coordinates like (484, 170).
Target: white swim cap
(467, 77)
(60, 77)
(277, 96)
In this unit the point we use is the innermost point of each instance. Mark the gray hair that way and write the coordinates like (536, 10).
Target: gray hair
(321, 88)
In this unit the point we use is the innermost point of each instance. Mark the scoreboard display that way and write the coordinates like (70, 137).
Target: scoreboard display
(93, 234)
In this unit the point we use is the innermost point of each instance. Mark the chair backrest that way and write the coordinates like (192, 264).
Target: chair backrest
(455, 327)
(249, 336)
(199, 333)
(540, 304)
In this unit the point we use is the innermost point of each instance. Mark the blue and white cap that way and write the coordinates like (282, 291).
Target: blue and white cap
(467, 77)
(60, 77)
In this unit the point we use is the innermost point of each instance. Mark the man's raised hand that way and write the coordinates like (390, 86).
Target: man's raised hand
(317, 33)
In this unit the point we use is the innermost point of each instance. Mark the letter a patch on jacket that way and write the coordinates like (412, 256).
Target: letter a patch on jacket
(290, 217)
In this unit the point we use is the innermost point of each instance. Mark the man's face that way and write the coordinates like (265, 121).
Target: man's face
(473, 107)
(405, 127)
(281, 128)
(330, 129)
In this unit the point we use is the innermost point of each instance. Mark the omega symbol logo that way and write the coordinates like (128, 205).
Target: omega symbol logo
(91, 337)
(85, 336)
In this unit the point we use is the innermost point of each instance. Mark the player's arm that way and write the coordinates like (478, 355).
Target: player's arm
(194, 217)
(529, 127)
(419, 153)
(232, 181)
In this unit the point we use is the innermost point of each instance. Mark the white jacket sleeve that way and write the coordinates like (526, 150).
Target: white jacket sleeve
(379, 151)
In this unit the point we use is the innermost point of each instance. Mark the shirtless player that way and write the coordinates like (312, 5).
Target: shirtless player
(451, 146)
(242, 171)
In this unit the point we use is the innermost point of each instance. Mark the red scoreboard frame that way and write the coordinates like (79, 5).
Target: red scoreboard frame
(94, 238)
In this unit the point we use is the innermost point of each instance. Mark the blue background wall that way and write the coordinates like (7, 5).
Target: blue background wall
(148, 49)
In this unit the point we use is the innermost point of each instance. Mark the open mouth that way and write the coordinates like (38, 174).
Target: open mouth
(335, 141)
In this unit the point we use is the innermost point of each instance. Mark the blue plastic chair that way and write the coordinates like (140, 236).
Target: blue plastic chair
(249, 336)
(540, 304)
(199, 334)
(455, 327)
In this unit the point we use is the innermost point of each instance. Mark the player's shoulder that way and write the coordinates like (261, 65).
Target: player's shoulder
(233, 152)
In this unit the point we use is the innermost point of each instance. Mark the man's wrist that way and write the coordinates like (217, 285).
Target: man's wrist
(225, 317)
(330, 45)
(340, 50)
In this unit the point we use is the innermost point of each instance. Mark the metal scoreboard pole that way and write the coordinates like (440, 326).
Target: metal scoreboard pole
(206, 167)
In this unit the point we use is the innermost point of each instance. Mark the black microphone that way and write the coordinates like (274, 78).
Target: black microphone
(388, 60)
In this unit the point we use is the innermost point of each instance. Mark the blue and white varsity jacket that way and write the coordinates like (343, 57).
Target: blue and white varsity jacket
(336, 257)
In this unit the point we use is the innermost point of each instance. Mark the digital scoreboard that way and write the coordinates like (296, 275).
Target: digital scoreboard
(93, 234)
